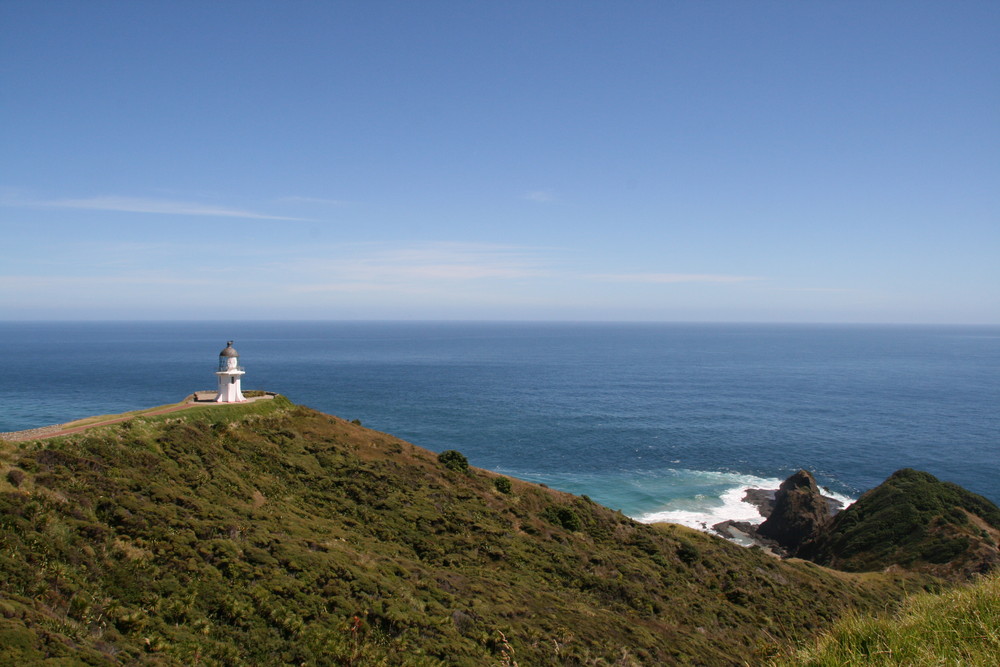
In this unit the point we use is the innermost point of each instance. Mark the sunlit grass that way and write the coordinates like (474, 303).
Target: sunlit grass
(960, 626)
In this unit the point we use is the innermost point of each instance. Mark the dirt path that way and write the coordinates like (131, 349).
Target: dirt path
(198, 399)
(68, 428)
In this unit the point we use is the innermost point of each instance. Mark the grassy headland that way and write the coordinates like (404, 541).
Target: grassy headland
(915, 521)
(269, 533)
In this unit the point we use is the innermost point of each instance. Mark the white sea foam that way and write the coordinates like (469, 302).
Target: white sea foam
(695, 498)
(711, 510)
(846, 501)
(728, 506)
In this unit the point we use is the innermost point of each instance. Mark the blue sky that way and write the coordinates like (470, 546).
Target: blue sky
(676, 161)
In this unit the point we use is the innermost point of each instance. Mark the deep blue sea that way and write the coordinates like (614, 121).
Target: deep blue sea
(668, 421)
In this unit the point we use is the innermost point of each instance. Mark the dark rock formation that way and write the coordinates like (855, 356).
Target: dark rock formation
(800, 511)
(912, 521)
(762, 499)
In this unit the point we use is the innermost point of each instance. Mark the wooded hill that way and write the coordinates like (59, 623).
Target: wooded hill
(269, 533)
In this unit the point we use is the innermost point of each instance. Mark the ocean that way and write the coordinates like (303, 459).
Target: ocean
(662, 421)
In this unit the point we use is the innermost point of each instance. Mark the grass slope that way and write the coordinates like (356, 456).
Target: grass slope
(958, 627)
(269, 533)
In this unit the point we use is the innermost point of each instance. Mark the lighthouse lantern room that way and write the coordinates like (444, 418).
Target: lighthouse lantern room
(230, 372)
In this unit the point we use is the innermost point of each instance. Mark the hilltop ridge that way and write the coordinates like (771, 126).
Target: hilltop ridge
(915, 521)
(270, 533)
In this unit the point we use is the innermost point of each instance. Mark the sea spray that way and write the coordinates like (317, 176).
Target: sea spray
(695, 498)
(729, 506)
(710, 511)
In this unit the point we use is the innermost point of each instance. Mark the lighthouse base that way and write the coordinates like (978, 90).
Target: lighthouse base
(229, 388)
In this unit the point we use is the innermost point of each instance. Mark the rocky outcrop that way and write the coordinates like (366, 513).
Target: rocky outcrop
(912, 521)
(800, 512)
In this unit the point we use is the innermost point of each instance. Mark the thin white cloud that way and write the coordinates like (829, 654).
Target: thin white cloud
(542, 196)
(666, 278)
(160, 206)
(77, 282)
(422, 265)
(312, 200)
(345, 287)
(824, 290)
(450, 261)
(457, 266)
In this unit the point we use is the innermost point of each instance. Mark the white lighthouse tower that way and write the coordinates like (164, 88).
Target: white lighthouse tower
(230, 372)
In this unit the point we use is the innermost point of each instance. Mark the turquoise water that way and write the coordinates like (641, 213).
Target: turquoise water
(646, 418)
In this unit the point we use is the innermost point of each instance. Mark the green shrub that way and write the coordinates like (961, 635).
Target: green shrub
(687, 553)
(454, 460)
(941, 549)
(502, 484)
(15, 476)
(562, 516)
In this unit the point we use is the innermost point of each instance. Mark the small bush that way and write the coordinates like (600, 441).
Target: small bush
(502, 484)
(687, 553)
(562, 516)
(454, 460)
(15, 476)
(941, 549)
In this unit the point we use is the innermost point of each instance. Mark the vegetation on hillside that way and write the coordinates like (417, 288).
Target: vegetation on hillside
(915, 521)
(960, 626)
(268, 533)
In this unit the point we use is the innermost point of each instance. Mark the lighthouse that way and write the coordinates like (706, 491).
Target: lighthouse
(229, 375)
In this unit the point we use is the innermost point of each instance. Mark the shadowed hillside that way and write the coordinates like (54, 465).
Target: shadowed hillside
(273, 534)
(915, 521)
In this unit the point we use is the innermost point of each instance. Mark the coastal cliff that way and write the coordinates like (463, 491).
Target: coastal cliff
(269, 533)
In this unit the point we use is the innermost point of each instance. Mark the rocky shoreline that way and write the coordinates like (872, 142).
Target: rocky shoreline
(766, 501)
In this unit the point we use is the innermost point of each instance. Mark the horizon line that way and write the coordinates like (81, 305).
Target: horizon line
(361, 320)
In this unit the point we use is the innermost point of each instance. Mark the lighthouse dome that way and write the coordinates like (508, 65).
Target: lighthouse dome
(229, 359)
